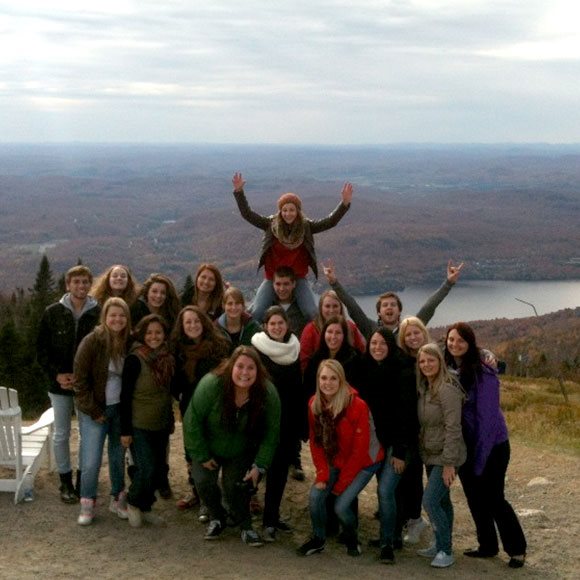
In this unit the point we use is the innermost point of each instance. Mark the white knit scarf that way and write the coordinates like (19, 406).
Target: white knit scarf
(282, 353)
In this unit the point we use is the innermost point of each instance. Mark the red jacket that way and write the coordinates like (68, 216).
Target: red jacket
(358, 445)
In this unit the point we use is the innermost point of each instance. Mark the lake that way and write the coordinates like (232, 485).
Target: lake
(486, 299)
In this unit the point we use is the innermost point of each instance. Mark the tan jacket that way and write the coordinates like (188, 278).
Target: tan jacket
(440, 438)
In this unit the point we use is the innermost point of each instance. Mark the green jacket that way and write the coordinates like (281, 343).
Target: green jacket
(206, 437)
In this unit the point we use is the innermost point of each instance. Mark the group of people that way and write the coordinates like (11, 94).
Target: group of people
(373, 397)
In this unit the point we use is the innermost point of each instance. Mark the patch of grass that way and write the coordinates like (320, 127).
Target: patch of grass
(537, 414)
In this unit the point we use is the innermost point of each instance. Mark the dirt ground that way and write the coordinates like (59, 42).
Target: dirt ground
(41, 539)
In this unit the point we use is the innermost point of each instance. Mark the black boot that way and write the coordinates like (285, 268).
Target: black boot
(67, 490)
(78, 483)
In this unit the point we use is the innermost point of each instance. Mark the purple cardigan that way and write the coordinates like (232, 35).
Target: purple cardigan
(483, 422)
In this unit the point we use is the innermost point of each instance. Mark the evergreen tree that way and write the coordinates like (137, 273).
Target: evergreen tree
(187, 292)
(42, 294)
(43, 291)
(188, 284)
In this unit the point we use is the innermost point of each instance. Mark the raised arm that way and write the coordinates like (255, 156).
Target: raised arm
(365, 324)
(246, 211)
(317, 226)
(428, 309)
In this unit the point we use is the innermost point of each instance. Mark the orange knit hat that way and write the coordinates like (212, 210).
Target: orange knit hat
(290, 198)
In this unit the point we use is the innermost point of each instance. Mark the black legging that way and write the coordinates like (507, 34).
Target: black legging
(488, 506)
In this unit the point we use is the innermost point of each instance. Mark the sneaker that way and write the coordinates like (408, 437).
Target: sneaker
(153, 519)
(297, 473)
(429, 552)
(353, 549)
(119, 506)
(187, 502)
(313, 546)
(443, 560)
(87, 514)
(134, 516)
(214, 529)
(269, 534)
(387, 555)
(415, 529)
(203, 515)
(252, 538)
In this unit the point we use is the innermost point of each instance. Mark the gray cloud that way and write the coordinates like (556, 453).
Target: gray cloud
(317, 71)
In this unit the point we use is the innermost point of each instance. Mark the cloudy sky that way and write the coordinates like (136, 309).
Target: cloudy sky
(290, 71)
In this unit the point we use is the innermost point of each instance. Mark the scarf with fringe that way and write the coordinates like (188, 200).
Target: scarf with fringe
(291, 236)
(160, 361)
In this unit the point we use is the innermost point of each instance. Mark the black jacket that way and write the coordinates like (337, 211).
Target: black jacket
(58, 340)
(389, 390)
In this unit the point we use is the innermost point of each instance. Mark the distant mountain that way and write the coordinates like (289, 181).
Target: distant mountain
(509, 212)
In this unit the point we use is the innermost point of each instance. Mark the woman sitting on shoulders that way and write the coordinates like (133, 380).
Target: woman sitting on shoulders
(288, 241)
(328, 306)
(346, 454)
(488, 450)
(237, 324)
(441, 446)
(207, 291)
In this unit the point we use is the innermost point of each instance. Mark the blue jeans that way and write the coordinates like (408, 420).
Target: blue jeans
(63, 407)
(93, 436)
(149, 451)
(437, 504)
(266, 297)
(388, 482)
(343, 504)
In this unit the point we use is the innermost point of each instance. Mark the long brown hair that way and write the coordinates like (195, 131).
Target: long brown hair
(210, 332)
(171, 305)
(116, 344)
(217, 294)
(101, 288)
(470, 365)
(257, 392)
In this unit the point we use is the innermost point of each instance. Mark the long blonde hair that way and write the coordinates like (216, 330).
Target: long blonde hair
(343, 396)
(116, 344)
(444, 376)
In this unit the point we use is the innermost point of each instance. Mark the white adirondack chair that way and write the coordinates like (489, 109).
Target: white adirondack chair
(22, 449)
